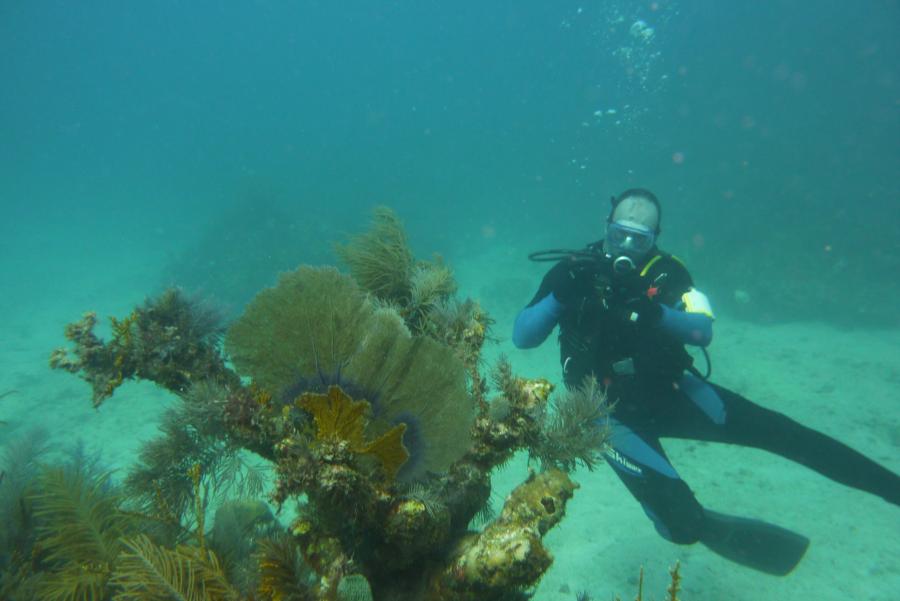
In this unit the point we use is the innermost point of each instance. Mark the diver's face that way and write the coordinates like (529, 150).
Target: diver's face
(632, 232)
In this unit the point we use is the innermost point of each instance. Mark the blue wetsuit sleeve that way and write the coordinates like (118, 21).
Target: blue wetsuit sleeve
(688, 328)
(535, 322)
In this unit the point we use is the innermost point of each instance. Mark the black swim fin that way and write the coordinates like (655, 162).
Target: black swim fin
(753, 543)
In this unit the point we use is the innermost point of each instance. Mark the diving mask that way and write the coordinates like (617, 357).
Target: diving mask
(628, 240)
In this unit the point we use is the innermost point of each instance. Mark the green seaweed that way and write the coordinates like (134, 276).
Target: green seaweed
(309, 325)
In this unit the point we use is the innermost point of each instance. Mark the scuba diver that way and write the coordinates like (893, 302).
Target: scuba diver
(625, 311)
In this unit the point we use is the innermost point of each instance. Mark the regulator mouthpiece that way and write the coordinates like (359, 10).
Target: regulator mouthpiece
(623, 264)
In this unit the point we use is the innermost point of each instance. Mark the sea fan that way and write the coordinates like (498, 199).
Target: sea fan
(318, 325)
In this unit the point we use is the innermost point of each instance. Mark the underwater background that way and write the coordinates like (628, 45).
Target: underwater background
(213, 145)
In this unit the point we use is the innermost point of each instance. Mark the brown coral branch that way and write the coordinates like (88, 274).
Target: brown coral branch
(675, 584)
(169, 340)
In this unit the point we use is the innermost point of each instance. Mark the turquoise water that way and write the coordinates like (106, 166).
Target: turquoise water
(764, 127)
(212, 145)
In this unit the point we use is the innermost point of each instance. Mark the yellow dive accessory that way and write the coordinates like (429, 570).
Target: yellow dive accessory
(696, 302)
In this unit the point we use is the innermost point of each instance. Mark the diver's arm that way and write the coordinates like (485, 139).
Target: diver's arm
(694, 329)
(535, 322)
(692, 322)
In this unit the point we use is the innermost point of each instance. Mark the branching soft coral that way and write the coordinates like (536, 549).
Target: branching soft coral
(576, 429)
(380, 258)
(169, 340)
(421, 291)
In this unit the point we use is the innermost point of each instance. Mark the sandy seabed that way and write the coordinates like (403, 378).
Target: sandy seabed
(841, 382)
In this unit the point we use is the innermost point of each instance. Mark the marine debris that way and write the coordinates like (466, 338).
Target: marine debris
(378, 426)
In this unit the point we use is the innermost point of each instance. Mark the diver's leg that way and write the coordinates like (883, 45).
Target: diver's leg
(729, 417)
(641, 464)
(677, 515)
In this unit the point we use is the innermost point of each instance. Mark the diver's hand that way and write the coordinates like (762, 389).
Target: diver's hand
(570, 286)
(564, 295)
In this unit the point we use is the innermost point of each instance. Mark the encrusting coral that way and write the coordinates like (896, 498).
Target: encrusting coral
(369, 403)
(168, 340)
(509, 552)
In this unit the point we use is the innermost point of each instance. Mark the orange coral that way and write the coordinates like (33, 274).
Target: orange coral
(339, 418)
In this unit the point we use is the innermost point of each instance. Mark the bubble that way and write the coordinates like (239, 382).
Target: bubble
(636, 28)
(629, 33)
(678, 158)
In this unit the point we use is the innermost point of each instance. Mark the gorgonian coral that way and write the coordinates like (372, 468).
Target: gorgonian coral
(316, 327)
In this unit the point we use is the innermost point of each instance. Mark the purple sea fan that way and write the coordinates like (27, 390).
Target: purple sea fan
(317, 323)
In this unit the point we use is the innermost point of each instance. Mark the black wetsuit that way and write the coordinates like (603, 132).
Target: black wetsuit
(657, 394)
